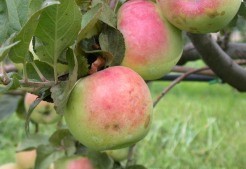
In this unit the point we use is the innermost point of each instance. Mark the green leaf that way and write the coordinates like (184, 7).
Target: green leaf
(32, 142)
(111, 40)
(100, 160)
(43, 67)
(22, 10)
(58, 136)
(62, 139)
(58, 29)
(242, 10)
(9, 104)
(19, 52)
(60, 93)
(108, 16)
(89, 21)
(7, 45)
(136, 167)
(13, 15)
(9, 22)
(46, 155)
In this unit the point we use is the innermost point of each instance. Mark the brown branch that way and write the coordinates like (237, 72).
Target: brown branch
(175, 82)
(184, 69)
(219, 61)
(234, 50)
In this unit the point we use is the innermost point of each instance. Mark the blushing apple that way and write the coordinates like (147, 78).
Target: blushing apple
(153, 45)
(109, 109)
(73, 162)
(199, 16)
(9, 166)
(118, 154)
(26, 159)
(44, 113)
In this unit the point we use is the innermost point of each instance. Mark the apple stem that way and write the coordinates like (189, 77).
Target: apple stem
(97, 65)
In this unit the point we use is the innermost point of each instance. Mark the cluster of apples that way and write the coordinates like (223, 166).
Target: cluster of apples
(26, 160)
(113, 108)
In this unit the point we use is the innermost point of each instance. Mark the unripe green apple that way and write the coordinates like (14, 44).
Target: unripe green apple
(109, 109)
(26, 159)
(199, 16)
(9, 166)
(118, 154)
(153, 45)
(44, 113)
(73, 162)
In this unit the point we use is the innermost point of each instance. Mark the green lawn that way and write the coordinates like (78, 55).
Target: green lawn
(196, 125)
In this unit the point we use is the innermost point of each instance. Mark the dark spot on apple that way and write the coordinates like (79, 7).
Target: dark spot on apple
(213, 14)
(222, 13)
(147, 121)
(116, 127)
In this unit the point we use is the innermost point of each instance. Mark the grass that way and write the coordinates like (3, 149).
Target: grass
(196, 125)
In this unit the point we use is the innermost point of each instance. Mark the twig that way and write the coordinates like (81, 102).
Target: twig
(184, 69)
(130, 156)
(176, 81)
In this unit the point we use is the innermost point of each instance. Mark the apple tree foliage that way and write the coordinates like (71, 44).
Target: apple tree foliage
(44, 36)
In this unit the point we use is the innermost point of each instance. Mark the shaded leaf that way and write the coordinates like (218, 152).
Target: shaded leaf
(136, 167)
(60, 93)
(9, 104)
(111, 40)
(100, 160)
(62, 139)
(9, 18)
(32, 142)
(46, 155)
(89, 21)
(7, 45)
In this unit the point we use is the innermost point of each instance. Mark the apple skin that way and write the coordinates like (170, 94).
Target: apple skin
(44, 113)
(118, 154)
(153, 45)
(110, 109)
(26, 159)
(199, 16)
(9, 166)
(73, 162)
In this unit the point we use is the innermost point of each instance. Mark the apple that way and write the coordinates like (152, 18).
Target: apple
(118, 154)
(44, 113)
(153, 45)
(199, 16)
(26, 159)
(9, 166)
(73, 162)
(109, 109)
